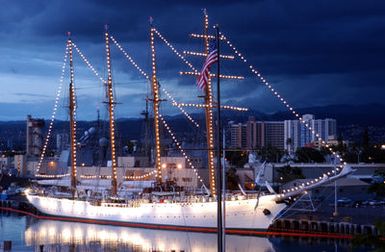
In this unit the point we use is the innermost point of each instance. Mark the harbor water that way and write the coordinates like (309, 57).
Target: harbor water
(30, 234)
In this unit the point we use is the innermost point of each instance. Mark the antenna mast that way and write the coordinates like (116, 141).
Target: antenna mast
(147, 151)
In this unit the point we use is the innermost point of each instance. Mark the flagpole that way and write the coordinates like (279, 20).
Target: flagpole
(221, 228)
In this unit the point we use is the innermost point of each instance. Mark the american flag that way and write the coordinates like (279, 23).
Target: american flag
(212, 57)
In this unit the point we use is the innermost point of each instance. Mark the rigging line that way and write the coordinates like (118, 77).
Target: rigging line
(85, 60)
(290, 108)
(284, 101)
(181, 109)
(143, 73)
(180, 56)
(180, 148)
(128, 57)
(97, 75)
(58, 93)
(175, 51)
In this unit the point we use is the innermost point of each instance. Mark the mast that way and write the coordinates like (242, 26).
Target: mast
(208, 97)
(147, 151)
(209, 112)
(72, 114)
(156, 100)
(111, 105)
(220, 201)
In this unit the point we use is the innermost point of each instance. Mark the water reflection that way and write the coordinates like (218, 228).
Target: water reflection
(90, 237)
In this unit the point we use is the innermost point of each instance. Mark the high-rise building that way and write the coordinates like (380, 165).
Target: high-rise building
(274, 134)
(34, 136)
(296, 134)
(238, 138)
(257, 134)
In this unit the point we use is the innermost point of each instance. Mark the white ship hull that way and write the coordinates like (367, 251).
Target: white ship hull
(241, 215)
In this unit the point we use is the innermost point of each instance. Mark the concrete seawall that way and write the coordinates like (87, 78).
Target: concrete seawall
(312, 226)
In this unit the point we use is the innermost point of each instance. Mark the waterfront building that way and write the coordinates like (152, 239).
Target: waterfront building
(274, 134)
(238, 136)
(261, 134)
(297, 135)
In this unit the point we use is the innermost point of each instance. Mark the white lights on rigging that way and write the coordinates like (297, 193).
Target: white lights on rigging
(129, 58)
(286, 104)
(214, 75)
(174, 50)
(58, 94)
(88, 63)
(205, 55)
(174, 103)
(156, 100)
(209, 116)
(180, 148)
(205, 105)
(72, 111)
(132, 61)
(111, 104)
(202, 36)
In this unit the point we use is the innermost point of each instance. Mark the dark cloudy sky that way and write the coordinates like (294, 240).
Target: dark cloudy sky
(314, 52)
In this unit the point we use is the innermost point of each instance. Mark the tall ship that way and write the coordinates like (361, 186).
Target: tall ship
(160, 205)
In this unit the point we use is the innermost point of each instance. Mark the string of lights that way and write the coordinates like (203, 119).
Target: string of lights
(72, 106)
(174, 103)
(90, 66)
(174, 50)
(53, 176)
(203, 36)
(53, 115)
(132, 61)
(156, 100)
(111, 108)
(294, 112)
(135, 177)
(205, 55)
(129, 58)
(234, 77)
(180, 148)
(141, 176)
(85, 60)
(209, 115)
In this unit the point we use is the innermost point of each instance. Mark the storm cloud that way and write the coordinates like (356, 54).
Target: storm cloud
(315, 53)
